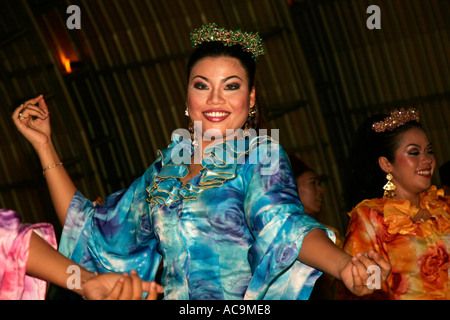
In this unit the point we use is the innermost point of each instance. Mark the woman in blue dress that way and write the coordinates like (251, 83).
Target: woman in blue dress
(219, 207)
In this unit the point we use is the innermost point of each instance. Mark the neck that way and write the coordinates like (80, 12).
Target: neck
(413, 198)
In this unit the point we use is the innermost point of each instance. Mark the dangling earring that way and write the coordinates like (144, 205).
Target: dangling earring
(389, 187)
(191, 129)
(194, 138)
(251, 114)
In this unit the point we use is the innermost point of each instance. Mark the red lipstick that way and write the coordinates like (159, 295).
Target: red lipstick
(216, 115)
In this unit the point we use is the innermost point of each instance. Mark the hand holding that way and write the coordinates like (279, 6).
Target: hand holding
(355, 275)
(114, 286)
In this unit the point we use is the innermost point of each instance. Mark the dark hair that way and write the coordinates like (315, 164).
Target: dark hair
(363, 177)
(216, 49)
(299, 167)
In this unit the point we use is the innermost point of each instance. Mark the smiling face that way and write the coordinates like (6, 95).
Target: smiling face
(219, 95)
(413, 165)
(310, 191)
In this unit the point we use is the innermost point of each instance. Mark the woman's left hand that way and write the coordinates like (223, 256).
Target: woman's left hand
(356, 273)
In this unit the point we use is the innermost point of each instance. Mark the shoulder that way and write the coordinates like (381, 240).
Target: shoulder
(368, 206)
(375, 203)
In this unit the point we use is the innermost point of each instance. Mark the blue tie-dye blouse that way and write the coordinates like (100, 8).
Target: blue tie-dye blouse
(232, 232)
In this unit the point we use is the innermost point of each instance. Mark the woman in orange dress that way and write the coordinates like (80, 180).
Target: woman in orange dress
(408, 220)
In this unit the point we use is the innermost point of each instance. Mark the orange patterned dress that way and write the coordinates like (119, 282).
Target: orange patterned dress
(418, 251)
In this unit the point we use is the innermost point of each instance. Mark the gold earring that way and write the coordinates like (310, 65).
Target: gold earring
(251, 112)
(247, 127)
(389, 187)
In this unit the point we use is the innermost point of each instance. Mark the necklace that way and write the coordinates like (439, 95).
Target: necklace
(422, 216)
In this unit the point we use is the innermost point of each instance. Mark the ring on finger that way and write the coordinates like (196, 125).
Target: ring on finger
(21, 117)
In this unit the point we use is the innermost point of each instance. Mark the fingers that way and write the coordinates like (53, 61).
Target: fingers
(16, 112)
(34, 100)
(359, 270)
(122, 289)
(373, 258)
(32, 111)
(363, 260)
(116, 290)
(357, 281)
(382, 263)
(43, 104)
(369, 270)
(131, 287)
(139, 287)
(152, 293)
(136, 286)
(153, 290)
(31, 108)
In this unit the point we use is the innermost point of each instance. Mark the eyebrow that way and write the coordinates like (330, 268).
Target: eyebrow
(224, 80)
(416, 145)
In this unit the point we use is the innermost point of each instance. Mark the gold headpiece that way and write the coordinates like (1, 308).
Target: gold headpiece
(250, 41)
(397, 118)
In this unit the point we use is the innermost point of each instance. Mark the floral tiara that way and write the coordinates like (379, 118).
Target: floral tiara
(397, 118)
(251, 42)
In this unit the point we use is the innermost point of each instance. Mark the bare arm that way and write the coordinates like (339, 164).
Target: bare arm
(319, 252)
(60, 185)
(45, 263)
(32, 119)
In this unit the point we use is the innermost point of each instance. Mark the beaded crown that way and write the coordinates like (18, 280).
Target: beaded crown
(397, 118)
(250, 42)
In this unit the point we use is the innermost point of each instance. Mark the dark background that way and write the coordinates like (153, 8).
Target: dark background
(324, 71)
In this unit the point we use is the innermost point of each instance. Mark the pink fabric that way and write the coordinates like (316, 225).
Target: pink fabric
(14, 248)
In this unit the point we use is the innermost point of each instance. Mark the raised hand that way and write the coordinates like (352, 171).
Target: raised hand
(32, 119)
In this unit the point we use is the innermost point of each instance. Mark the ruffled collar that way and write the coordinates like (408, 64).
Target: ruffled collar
(219, 163)
(398, 214)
